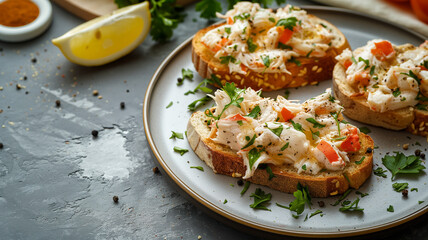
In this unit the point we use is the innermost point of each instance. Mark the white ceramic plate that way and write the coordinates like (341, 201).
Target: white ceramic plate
(211, 190)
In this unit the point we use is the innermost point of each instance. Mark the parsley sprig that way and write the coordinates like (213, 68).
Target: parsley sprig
(401, 163)
(260, 199)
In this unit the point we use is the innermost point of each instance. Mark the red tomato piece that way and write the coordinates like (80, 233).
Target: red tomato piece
(284, 35)
(229, 20)
(347, 63)
(420, 8)
(328, 151)
(236, 117)
(286, 114)
(383, 50)
(363, 78)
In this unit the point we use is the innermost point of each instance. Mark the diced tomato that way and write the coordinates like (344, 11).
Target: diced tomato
(285, 34)
(423, 68)
(347, 63)
(363, 78)
(236, 117)
(352, 141)
(328, 151)
(383, 50)
(243, 67)
(286, 114)
(229, 20)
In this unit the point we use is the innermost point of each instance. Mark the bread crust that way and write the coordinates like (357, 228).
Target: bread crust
(310, 72)
(356, 107)
(223, 161)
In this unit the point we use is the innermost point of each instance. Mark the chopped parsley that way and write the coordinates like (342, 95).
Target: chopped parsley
(423, 107)
(331, 98)
(361, 194)
(176, 135)
(254, 112)
(365, 130)
(360, 161)
(260, 199)
(345, 194)
(208, 8)
(225, 201)
(302, 198)
(396, 92)
(335, 115)
(372, 70)
(285, 146)
(390, 208)
(315, 123)
(297, 126)
(227, 30)
(284, 46)
(286, 94)
(197, 103)
(315, 213)
(187, 73)
(380, 172)
(253, 156)
(181, 151)
(287, 23)
(198, 167)
(277, 131)
(399, 187)
(272, 19)
(414, 189)
(352, 207)
(227, 59)
(402, 164)
(246, 186)
(266, 61)
(250, 141)
(233, 92)
(412, 75)
(251, 46)
(315, 135)
(169, 104)
(269, 171)
(294, 60)
(304, 167)
(243, 16)
(366, 61)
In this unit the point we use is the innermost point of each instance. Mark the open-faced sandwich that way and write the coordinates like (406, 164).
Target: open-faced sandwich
(280, 143)
(266, 49)
(385, 85)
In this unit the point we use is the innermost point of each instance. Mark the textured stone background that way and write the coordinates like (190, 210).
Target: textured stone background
(57, 181)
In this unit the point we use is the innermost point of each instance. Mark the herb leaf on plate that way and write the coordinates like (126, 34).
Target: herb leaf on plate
(260, 199)
(402, 164)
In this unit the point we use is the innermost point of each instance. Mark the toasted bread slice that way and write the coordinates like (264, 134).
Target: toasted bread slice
(356, 106)
(303, 71)
(328, 183)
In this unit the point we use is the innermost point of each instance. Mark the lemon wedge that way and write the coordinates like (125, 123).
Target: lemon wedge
(106, 38)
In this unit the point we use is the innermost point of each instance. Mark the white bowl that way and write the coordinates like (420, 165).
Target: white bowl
(31, 30)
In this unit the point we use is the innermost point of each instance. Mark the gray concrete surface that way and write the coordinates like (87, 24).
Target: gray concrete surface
(57, 181)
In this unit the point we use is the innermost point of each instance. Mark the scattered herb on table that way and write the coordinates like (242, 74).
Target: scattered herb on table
(246, 186)
(181, 151)
(379, 172)
(365, 130)
(175, 135)
(260, 199)
(345, 194)
(402, 164)
(361, 194)
(197, 103)
(225, 201)
(398, 187)
(302, 198)
(390, 208)
(169, 105)
(198, 167)
(352, 207)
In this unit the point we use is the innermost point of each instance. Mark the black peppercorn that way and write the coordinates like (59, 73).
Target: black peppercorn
(422, 155)
(122, 105)
(58, 103)
(115, 199)
(240, 182)
(369, 150)
(405, 193)
(34, 60)
(155, 170)
(417, 152)
(1, 145)
(25, 78)
(95, 133)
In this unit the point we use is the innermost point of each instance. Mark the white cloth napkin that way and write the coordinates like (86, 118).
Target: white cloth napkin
(398, 13)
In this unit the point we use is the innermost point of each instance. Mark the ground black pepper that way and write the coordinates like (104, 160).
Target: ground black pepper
(25, 78)
(122, 105)
(95, 133)
(26, 92)
(369, 150)
(405, 193)
(115, 199)
(58, 103)
(34, 60)
(156, 170)
(240, 182)
(417, 152)
(1, 145)
(127, 90)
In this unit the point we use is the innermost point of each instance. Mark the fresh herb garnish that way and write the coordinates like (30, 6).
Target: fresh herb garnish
(315, 123)
(225, 201)
(396, 92)
(272, 19)
(286, 94)
(302, 198)
(246, 186)
(304, 167)
(297, 126)
(423, 107)
(165, 18)
(269, 171)
(284, 46)
(233, 92)
(254, 112)
(260, 199)
(379, 172)
(315, 213)
(361, 194)
(251, 46)
(366, 61)
(198, 167)
(197, 103)
(208, 8)
(176, 135)
(402, 164)
(335, 115)
(266, 61)
(181, 151)
(250, 142)
(399, 187)
(187, 73)
(277, 131)
(243, 16)
(315, 135)
(353, 207)
(360, 161)
(169, 104)
(342, 197)
(227, 59)
(390, 208)
(414, 189)
(365, 130)
(253, 156)
(228, 30)
(331, 98)
(372, 70)
(294, 60)
(285, 146)
(288, 23)
(412, 75)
